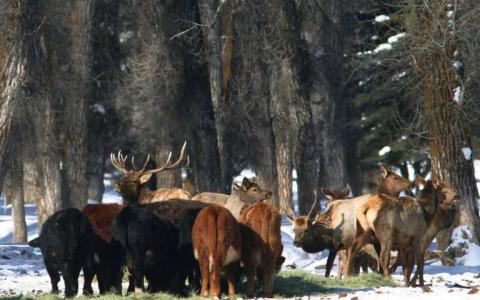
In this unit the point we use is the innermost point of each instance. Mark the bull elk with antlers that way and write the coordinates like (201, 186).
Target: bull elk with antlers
(132, 185)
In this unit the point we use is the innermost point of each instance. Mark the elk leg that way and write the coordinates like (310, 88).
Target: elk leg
(420, 258)
(342, 260)
(385, 246)
(377, 248)
(330, 260)
(358, 242)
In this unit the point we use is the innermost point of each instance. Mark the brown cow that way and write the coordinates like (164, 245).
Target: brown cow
(261, 246)
(106, 263)
(217, 246)
(132, 185)
(242, 196)
(399, 223)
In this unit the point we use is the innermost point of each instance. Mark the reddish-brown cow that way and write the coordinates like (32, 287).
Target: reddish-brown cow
(217, 246)
(105, 262)
(261, 246)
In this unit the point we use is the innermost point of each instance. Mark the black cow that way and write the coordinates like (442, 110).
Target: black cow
(65, 242)
(151, 243)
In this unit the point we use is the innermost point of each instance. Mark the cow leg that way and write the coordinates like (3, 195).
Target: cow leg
(138, 270)
(205, 275)
(231, 275)
(330, 260)
(88, 274)
(131, 284)
(215, 290)
(70, 277)
(54, 278)
(268, 274)
(251, 273)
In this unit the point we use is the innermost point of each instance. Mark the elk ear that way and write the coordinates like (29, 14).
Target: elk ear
(343, 193)
(290, 218)
(116, 187)
(420, 182)
(236, 187)
(246, 183)
(144, 178)
(383, 170)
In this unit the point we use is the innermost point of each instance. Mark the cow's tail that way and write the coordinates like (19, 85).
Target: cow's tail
(35, 243)
(361, 214)
(212, 241)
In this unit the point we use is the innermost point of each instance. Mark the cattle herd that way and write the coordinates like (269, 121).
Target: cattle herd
(170, 238)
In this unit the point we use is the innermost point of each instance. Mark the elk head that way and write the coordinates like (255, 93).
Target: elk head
(436, 195)
(391, 183)
(312, 232)
(252, 190)
(133, 180)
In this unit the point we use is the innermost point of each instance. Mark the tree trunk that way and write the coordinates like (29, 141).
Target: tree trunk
(217, 17)
(15, 176)
(449, 131)
(77, 96)
(322, 31)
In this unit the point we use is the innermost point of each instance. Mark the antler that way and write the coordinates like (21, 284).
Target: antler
(119, 161)
(144, 164)
(176, 164)
(314, 206)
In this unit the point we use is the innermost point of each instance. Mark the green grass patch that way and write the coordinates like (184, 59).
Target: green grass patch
(298, 283)
(287, 285)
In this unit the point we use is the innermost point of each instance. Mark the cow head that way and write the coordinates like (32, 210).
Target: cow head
(133, 180)
(391, 183)
(252, 190)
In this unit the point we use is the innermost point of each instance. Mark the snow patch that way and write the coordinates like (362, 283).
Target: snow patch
(466, 252)
(457, 93)
(99, 108)
(383, 47)
(395, 38)
(467, 152)
(382, 18)
(384, 150)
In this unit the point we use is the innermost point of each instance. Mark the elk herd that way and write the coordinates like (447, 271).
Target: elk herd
(169, 238)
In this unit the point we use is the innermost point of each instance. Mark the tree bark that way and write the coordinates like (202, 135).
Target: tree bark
(322, 32)
(216, 17)
(449, 131)
(15, 175)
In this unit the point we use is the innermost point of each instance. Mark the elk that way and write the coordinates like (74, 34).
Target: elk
(132, 185)
(367, 257)
(242, 196)
(399, 223)
(336, 228)
(442, 219)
